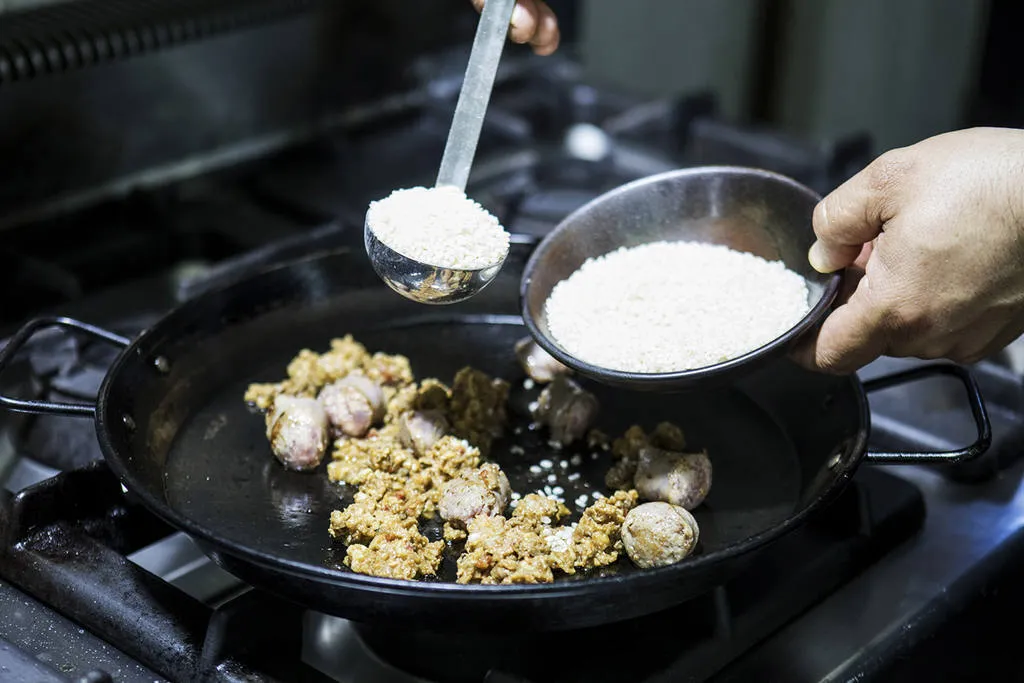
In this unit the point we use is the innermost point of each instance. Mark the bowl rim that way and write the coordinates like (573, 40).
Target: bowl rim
(810, 319)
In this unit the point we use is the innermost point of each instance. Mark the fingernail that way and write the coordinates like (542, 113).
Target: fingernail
(519, 16)
(817, 257)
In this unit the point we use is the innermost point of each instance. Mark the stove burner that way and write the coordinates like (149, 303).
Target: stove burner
(69, 537)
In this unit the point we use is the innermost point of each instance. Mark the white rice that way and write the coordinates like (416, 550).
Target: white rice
(671, 306)
(439, 226)
(559, 540)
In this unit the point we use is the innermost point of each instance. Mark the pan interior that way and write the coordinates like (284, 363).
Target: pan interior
(219, 471)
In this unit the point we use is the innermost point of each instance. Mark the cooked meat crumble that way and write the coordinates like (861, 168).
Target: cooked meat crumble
(416, 452)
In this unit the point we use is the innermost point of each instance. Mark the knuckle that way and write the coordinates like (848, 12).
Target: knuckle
(909, 326)
(828, 361)
(889, 170)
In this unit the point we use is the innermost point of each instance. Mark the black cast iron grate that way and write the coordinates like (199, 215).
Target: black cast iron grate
(65, 542)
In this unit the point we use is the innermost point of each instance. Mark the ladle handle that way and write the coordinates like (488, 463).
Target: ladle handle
(476, 93)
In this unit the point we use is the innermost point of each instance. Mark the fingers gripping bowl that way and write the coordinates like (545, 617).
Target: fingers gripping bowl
(751, 211)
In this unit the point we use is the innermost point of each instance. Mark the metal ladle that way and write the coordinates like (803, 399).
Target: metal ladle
(432, 284)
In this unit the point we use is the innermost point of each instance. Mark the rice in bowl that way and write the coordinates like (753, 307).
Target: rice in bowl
(672, 306)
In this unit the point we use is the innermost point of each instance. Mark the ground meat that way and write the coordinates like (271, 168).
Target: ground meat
(504, 551)
(421, 429)
(413, 450)
(514, 550)
(535, 510)
(483, 491)
(432, 394)
(596, 540)
(445, 460)
(297, 431)
(353, 460)
(682, 479)
(262, 395)
(528, 548)
(396, 554)
(309, 371)
(659, 534)
(400, 401)
(453, 533)
(537, 363)
(391, 371)
(345, 356)
(353, 404)
(383, 502)
(626, 451)
(477, 411)
(566, 409)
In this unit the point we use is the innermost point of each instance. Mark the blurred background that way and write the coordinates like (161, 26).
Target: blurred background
(821, 69)
(119, 117)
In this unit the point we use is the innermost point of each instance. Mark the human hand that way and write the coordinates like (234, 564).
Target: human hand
(532, 22)
(932, 236)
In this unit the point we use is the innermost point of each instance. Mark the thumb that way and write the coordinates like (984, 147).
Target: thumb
(852, 336)
(849, 217)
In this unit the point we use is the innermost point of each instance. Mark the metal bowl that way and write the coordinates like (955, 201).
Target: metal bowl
(746, 209)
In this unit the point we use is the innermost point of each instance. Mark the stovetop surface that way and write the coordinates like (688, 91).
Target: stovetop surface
(903, 550)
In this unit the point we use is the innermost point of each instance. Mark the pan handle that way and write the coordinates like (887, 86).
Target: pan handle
(978, 410)
(19, 340)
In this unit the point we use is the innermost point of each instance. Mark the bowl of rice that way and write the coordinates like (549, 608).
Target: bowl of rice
(680, 280)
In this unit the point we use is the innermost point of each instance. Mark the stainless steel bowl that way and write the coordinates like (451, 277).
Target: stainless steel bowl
(746, 209)
(421, 282)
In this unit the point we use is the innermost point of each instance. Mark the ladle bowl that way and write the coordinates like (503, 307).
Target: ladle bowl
(422, 282)
(745, 209)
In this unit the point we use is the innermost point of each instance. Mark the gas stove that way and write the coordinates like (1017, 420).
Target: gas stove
(94, 588)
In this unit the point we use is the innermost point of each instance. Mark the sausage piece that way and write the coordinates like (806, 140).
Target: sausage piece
(682, 479)
(298, 432)
(566, 409)
(420, 429)
(658, 534)
(537, 363)
(483, 491)
(353, 404)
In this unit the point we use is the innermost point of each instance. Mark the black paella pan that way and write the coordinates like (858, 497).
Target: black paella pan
(173, 426)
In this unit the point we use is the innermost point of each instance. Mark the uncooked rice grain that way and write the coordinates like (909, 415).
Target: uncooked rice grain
(439, 226)
(672, 306)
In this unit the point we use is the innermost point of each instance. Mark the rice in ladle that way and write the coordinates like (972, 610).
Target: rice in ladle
(672, 306)
(439, 226)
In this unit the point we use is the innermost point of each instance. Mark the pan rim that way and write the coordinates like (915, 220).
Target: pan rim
(158, 505)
